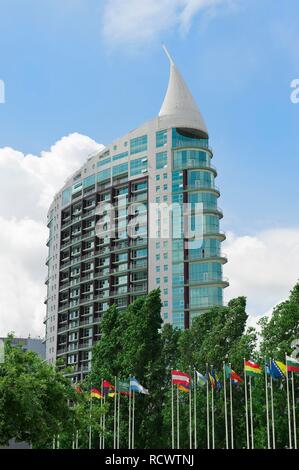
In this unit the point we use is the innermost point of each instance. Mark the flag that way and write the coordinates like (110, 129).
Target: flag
(122, 387)
(212, 380)
(231, 374)
(180, 378)
(200, 379)
(292, 364)
(95, 393)
(277, 369)
(251, 368)
(137, 387)
(184, 388)
(217, 380)
(108, 389)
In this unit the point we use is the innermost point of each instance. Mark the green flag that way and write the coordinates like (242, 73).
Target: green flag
(122, 387)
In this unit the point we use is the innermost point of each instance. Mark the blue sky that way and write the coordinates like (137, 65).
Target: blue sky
(96, 67)
(63, 76)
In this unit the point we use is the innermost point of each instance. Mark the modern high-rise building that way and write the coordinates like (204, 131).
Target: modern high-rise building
(98, 257)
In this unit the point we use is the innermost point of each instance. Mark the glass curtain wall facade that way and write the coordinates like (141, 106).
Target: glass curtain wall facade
(100, 257)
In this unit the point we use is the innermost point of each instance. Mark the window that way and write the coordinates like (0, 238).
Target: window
(157, 177)
(158, 280)
(104, 175)
(138, 166)
(161, 160)
(157, 269)
(161, 138)
(157, 257)
(139, 144)
(165, 187)
(89, 181)
(200, 179)
(66, 197)
(120, 155)
(205, 296)
(180, 139)
(119, 169)
(104, 162)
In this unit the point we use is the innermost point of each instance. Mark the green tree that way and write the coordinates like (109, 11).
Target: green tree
(34, 399)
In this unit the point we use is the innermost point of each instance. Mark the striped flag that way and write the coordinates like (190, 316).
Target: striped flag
(180, 378)
(95, 393)
(137, 387)
(292, 364)
(251, 368)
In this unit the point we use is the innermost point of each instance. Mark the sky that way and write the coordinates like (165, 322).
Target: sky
(81, 73)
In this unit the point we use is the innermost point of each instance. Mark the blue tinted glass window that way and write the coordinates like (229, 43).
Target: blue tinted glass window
(139, 144)
(104, 175)
(161, 160)
(187, 140)
(190, 159)
(119, 169)
(161, 138)
(66, 196)
(89, 181)
(138, 166)
(120, 155)
(103, 162)
(205, 296)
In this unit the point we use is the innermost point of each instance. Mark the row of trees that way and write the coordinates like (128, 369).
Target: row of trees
(37, 402)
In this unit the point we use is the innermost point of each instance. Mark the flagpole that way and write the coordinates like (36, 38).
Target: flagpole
(178, 417)
(294, 412)
(118, 416)
(90, 428)
(231, 411)
(208, 410)
(133, 422)
(104, 423)
(213, 417)
(190, 416)
(115, 406)
(225, 406)
(129, 437)
(101, 418)
(172, 417)
(246, 408)
(195, 411)
(272, 412)
(289, 409)
(267, 407)
(251, 413)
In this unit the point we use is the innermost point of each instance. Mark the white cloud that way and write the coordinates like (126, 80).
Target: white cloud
(27, 186)
(134, 22)
(264, 268)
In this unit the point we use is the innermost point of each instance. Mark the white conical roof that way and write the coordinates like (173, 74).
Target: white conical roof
(179, 103)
